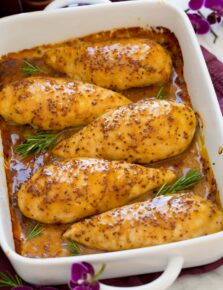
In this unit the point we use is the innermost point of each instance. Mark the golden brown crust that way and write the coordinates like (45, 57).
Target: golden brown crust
(50, 103)
(119, 64)
(164, 219)
(141, 133)
(69, 190)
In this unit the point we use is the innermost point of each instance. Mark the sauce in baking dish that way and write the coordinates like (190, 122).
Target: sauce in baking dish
(19, 170)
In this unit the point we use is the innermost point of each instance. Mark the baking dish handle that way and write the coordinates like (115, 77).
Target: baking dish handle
(62, 3)
(164, 281)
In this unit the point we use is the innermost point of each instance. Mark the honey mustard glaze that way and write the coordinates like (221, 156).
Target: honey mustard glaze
(18, 169)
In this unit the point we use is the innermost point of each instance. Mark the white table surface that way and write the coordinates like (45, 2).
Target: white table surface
(214, 279)
(209, 281)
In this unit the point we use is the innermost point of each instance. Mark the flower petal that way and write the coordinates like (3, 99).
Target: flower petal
(195, 4)
(214, 17)
(86, 286)
(94, 286)
(201, 25)
(83, 287)
(90, 268)
(72, 285)
(215, 5)
(79, 271)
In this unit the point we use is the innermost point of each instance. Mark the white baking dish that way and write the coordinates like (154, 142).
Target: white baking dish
(28, 30)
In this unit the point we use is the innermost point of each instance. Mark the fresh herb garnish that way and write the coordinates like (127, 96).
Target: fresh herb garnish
(36, 144)
(161, 94)
(7, 280)
(184, 182)
(99, 273)
(29, 69)
(34, 231)
(73, 248)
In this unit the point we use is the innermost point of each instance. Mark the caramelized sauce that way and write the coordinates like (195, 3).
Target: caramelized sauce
(19, 170)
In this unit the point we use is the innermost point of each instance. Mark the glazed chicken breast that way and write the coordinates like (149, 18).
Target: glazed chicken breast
(118, 64)
(49, 103)
(141, 133)
(69, 190)
(164, 219)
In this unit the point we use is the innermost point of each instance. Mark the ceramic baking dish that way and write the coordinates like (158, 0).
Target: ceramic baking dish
(28, 30)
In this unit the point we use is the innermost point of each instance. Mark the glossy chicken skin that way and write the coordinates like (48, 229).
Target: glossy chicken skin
(69, 190)
(164, 219)
(55, 103)
(141, 133)
(119, 64)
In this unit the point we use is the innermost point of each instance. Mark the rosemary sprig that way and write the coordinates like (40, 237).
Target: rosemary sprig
(73, 248)
(36, 144)
(29, 69)
(184, 182)
(161, 94)
(34, 231)
(7, 280)
(99, 273)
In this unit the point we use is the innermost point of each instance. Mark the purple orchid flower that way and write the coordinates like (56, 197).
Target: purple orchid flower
(83, 277)
(214, 17)
(196, 4)
(200, 24)
(216, 5)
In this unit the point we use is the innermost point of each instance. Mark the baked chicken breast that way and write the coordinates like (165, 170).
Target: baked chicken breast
(164, 219)
(141, 133)
(49, 103)
(118, 64)
(69, 190)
